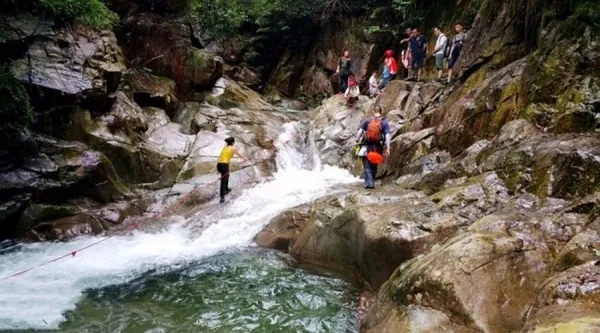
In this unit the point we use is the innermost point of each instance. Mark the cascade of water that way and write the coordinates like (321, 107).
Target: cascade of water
(39, 298)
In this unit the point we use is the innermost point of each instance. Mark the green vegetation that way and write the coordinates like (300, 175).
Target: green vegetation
(91, 13)
(221, 18)
(15, 106)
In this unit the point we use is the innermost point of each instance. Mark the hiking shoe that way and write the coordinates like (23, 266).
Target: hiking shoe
(222, 200)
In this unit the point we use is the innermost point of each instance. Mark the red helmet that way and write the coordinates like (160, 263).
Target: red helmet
(389, 53)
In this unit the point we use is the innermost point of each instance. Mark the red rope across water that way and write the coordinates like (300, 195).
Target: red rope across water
(133, 227)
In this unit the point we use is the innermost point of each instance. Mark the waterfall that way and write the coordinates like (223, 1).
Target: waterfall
(38, 299)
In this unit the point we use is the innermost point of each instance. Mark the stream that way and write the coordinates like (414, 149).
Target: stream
(183, 280)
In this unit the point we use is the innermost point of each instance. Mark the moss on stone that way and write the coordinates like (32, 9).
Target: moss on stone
(581, 325)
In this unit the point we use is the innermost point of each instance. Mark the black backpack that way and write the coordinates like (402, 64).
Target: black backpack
(447, 49)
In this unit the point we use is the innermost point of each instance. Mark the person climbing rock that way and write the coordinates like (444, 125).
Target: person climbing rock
(374, 134)
(223, 166)
(438, 52)
(457, 44)
(344, 69)
(418, 46)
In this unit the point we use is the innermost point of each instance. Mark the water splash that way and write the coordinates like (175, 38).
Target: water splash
(39, 298)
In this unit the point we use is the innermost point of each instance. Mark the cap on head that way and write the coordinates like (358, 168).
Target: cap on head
(230, 141)
(389, 53)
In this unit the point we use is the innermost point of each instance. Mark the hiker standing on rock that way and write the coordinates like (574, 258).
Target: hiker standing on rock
(223, 166)
(457, 44)
(439, 51)
(373, 135)
(406, 54)
(343, 71)
(418, 46)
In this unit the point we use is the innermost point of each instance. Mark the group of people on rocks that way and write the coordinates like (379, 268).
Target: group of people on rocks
(412, 57)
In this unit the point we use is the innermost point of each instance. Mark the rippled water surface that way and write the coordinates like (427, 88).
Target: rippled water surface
(244, 291)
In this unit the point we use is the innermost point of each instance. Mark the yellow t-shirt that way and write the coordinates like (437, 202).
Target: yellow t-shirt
(226, 154)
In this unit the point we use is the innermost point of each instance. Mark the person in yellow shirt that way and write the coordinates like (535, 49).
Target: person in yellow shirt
(223, 166)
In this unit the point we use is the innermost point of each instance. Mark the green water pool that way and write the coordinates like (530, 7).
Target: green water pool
(250, 290)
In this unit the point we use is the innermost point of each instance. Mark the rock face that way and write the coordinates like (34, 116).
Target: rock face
(164, 45)
(67, 61)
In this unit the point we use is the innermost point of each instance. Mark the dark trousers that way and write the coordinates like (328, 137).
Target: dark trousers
(370, 173)
(370, 169)
(223, 169)
(343, 82)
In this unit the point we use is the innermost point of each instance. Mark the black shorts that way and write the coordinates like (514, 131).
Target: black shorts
(417, 61)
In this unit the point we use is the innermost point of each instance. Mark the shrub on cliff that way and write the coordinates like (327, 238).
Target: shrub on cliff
(91, 13)
(15, 105)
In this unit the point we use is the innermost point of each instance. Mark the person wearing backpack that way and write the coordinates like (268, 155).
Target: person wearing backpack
(343, 71)
(440, 48)
(375, 135)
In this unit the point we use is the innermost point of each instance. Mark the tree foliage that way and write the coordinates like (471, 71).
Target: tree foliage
(224, 17)
(15, 105)
(91, 13)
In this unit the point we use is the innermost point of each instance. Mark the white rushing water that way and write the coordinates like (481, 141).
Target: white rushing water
(39, 298)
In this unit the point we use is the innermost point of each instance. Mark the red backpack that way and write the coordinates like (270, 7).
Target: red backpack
(374, 131)
(393, 66)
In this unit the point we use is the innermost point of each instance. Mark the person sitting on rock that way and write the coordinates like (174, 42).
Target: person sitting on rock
(352, 92)
(457, 44)
(223, 166)
(372, 135)
(343, 71)
(373, 84)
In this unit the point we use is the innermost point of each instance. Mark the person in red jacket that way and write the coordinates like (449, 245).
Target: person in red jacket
(390, 69)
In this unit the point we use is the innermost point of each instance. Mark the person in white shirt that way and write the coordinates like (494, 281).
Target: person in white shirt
(373, 84)
(439, 51)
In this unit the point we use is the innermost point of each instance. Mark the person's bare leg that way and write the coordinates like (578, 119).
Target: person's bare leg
(419, 75)
(449, 75)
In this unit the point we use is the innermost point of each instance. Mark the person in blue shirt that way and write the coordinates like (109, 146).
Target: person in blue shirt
(374, 134)
(418, 46)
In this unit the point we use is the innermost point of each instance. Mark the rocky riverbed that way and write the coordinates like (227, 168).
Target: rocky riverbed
(486, 217)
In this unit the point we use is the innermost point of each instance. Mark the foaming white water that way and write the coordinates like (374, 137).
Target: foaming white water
(39, 298)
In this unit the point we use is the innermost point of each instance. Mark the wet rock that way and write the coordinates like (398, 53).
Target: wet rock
(157, 118)
(479, 108)
(153, 91)
(72, 61)
(334, 130)
(568, 302)
(228, 94)
(242, 75)
(557, 166)
(565, 102)
(168, 51)
(468, 282)
(350, 233)
(39, 189)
